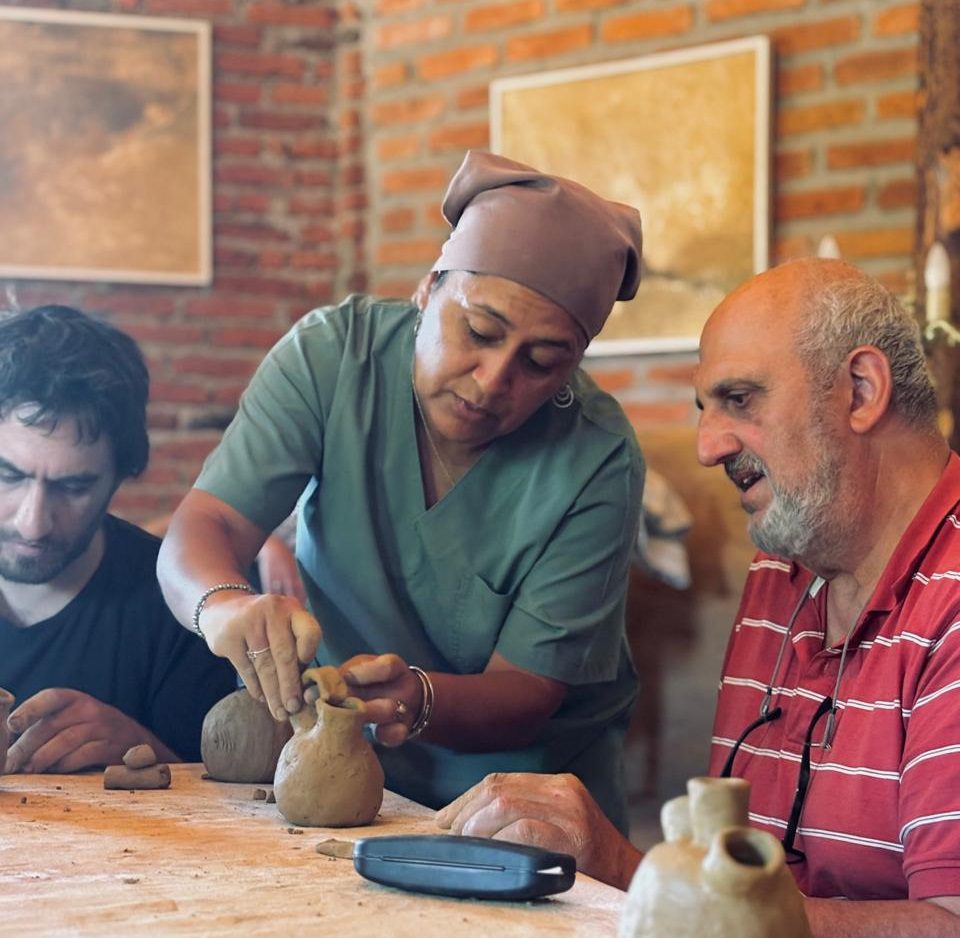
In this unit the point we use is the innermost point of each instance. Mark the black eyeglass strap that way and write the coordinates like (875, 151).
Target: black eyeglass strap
(803, 782)
(767, 717)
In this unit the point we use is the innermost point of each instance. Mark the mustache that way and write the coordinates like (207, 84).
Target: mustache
(743, 464)
(8, 537)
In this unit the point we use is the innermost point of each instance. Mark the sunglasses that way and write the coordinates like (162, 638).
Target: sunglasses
(827, 708)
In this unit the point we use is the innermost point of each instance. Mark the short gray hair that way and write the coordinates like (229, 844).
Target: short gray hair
(847, 312)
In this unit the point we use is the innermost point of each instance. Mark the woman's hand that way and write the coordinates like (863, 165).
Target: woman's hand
(267, 639)
(392, 692)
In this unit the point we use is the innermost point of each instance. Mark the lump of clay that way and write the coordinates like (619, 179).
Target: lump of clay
(139, 757)
(713, 876)
(140, 769)
(328, 774)
(240, 740)
(144, 777)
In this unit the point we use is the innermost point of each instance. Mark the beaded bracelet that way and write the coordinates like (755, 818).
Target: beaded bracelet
(426, 709)
(202, 601)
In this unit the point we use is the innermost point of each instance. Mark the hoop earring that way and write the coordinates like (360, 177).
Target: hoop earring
(563, 398)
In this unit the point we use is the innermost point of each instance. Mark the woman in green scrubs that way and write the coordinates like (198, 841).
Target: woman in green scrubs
(471, 501)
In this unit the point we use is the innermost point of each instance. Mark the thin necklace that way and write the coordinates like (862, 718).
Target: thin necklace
(426, 430)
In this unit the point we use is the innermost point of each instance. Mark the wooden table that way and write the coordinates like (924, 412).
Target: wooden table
(205, 858)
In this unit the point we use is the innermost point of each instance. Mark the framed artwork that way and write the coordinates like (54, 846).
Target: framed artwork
(681, 135)
(105, 150)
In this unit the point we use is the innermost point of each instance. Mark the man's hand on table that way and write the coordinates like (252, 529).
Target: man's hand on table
(555, 812)
(64, 730)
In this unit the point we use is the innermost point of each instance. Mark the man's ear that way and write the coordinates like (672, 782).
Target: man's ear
(872, 386)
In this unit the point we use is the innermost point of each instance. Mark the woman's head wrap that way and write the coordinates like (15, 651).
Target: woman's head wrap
(548, 233)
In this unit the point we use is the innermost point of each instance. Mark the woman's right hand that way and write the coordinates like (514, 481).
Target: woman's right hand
(268, 639)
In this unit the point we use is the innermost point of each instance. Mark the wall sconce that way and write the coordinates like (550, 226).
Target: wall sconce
(828, 247)
(10, 305)
(936, 278)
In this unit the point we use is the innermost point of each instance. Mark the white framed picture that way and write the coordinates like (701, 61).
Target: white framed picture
(685, 137)
(105, 150)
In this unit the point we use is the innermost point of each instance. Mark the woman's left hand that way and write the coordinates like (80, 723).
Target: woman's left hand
(392, 692)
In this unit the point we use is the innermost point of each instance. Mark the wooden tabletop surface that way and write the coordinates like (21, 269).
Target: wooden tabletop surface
(206, 858)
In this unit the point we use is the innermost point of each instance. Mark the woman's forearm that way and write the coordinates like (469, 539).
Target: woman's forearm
(202, 548)
(498, 709)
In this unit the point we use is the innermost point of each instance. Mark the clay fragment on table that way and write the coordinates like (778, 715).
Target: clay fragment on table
(139, 757)
(121, 777)
(259, 794)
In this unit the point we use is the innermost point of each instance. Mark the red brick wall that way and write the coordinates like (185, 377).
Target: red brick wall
(338, 123)
(844, 126)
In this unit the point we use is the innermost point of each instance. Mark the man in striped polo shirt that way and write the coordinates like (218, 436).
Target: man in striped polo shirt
(840, 692)
(817, 402)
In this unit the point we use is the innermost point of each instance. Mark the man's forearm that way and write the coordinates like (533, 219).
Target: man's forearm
(840, 918)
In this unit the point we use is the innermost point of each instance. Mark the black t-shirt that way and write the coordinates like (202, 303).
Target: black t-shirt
(118, 641)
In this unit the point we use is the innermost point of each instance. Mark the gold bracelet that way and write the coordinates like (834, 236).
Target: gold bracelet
(426, 708)
(202, 601)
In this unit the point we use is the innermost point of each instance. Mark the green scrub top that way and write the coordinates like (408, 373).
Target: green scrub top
(527, 555)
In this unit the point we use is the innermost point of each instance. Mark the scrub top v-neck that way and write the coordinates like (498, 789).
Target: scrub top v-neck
(526, 555)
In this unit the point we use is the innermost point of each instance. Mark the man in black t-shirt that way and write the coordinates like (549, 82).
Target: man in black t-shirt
(88, 647)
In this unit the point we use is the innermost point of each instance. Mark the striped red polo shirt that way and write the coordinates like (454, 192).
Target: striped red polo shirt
(881, 818)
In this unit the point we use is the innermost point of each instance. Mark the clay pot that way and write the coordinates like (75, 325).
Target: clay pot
(6, 705)
(713, 876)
(328, 774)
(240, 741)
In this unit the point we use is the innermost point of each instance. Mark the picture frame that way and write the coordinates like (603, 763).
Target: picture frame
(105, 158)
(682, 135)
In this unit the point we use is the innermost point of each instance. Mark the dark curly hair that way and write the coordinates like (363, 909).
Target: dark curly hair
(58, 363)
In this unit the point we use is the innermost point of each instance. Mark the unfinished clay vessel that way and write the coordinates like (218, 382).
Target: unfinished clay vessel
(6, 705)
(328, 774)
(240, 741)
(714, 876)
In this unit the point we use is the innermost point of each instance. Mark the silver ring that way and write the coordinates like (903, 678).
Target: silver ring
(402, 709)
(252, 654)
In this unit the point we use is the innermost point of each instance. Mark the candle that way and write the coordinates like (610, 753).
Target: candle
(828, 247)
(936, 278)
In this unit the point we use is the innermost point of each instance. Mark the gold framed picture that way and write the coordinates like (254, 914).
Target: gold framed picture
(105, 150)
(683, 136)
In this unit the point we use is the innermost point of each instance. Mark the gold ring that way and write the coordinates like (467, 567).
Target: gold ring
(252, 654)
(402, 709)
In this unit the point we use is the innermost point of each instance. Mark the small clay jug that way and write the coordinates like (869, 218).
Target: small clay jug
(6, 705)
(328, 774)
(240, 741)
(714, 876)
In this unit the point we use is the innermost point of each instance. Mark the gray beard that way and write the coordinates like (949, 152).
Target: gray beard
(798, 523)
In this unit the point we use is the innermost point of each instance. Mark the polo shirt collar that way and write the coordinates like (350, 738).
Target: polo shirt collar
(903, 563)
(916, 540)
